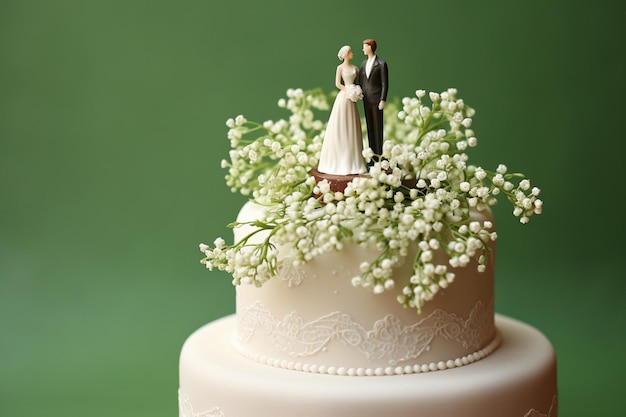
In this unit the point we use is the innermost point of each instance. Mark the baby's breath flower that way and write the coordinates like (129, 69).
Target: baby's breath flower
(425, 144)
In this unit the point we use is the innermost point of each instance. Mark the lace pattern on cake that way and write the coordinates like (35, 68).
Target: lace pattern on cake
(388, 337)
(551, 413)
(287, 271)
(185, 409)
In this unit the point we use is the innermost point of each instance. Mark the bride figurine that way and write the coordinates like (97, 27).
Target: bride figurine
(342, 149)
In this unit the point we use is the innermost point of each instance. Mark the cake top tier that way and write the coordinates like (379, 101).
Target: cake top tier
(419, 191)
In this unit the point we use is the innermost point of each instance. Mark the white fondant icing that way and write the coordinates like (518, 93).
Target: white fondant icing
(518, 379)
(389, 339)
(390, 370)
(313, 311)
(287, 272)
(185, 408)
(312, 320)
(551, 412)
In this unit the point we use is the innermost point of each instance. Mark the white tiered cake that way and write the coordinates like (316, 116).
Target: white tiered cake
(307, 340)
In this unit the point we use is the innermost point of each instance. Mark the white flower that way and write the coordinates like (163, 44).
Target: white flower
(354, 92)
(480, 174)
(425, 144)
(240, 120)
(524, 184)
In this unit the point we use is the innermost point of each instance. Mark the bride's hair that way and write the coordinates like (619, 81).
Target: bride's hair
(343, 52)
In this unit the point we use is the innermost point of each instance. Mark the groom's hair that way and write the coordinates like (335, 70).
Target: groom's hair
(371, 43)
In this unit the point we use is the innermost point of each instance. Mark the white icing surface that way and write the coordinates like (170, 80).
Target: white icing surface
(313, 316)
(389, 339)
(185, 409)
(518, 379)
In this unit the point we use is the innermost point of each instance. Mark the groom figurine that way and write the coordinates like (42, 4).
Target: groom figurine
(374, 82)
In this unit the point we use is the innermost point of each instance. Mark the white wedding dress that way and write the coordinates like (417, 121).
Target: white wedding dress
(342, 150)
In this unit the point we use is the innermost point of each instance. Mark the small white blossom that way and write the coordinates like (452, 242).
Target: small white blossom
(425, 146)
(524, 184)
(240, 120)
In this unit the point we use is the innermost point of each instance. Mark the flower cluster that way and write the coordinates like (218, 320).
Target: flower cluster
(270, 160)
(416, 201)
(354, 92)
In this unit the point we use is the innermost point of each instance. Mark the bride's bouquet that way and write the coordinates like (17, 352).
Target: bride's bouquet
(354, 92)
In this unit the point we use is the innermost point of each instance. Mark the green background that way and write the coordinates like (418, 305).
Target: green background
(112, 128)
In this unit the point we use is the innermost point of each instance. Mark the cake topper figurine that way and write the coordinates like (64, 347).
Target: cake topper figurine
(342, 149)
(374, 81)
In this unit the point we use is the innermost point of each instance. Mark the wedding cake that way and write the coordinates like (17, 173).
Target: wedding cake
(368, 295)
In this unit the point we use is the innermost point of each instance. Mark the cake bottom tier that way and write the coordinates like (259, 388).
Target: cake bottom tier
(518, 379)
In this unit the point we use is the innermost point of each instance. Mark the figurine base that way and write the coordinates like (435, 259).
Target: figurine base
(338, 183)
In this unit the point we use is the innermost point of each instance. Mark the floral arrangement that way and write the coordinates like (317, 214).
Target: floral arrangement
(418, 194)
(354, 92)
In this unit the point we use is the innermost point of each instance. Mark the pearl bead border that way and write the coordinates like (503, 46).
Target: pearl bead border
(379, 371)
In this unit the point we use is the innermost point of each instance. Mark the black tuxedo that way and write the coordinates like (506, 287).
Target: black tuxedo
(374, 90)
